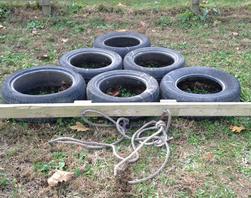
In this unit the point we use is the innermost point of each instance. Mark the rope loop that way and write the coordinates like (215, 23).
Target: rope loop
(158, 138)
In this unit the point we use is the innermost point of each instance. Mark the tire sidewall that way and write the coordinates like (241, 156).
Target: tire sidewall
(99, 42)
(230, 85)
(74, 92)
(89, 73)
(157, 73)
(150, 94)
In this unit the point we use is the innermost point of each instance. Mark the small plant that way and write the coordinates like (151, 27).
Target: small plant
(187, 18)
(4, 181)
(4, 12)
(126, 92)
(47, 167)
(35, 24)
(74, 8)
(57, 163)
(163, 22)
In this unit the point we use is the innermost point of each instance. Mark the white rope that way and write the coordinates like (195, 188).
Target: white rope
(138, 140)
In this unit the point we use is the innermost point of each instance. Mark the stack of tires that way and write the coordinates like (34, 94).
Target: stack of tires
(121, 67)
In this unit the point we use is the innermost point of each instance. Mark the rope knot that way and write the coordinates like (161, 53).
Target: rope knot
(160, 124)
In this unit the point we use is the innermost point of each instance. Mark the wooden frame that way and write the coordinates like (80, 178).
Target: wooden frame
(126, 109)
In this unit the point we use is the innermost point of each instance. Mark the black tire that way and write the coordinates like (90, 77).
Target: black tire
(97, 87)
(122, 42)
(160, 61)
(224, 87)
(105, 60)
(18, 87)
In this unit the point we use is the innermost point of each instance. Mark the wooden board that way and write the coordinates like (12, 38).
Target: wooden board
(126, 109)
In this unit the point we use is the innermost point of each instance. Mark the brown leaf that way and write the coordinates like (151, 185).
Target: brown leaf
(114, 91)
(43, 57)
(2, 27)
(60, 176)
(235, 33)
(237, 129)
(79, 127)
(142, 23)
(121, 30)
(64, 40)
(34, 32)
(121, 5)
(208, 156)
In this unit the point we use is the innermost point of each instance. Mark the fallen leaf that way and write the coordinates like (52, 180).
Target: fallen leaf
(79, 127)
(237, 129)
(65, 40)
(208, 156)
(235, 33)
(43, 57)
(121, 30)
(142, 23)
(60, 176)
(2, 27)
(34, 32)
(114, 93)
(121, 5)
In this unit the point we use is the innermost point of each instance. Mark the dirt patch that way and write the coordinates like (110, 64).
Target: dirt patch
(123, 189)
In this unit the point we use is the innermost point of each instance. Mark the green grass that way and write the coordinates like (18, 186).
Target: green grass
(76, 5)
(56, 163)
(208, 160)
(4, 181)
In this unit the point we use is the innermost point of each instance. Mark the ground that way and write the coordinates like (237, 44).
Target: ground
(207, 158)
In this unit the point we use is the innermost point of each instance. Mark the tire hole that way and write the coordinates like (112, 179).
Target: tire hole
(154, 60)
(122, 42)
(122, 87)
(42, 83)
(199, 85)
(90, 61)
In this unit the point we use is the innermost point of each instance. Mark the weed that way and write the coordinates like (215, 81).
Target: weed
(57, 162)
(74, 8)
(147, 190)
(188, 18)
(4, 181)
(78, 172)
(80, 156)
(163, 22)
(35, 25)
(58, 155)
(194, 139)
(212, 189)
(47, 167)
(4, 12)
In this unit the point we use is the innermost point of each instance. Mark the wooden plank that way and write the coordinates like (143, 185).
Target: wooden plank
(125, 109)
